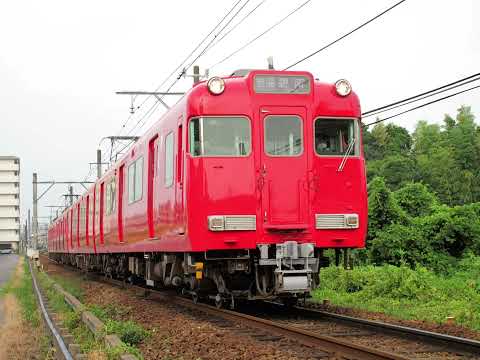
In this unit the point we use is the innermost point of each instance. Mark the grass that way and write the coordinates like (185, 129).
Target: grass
(72, 285)
(129, 332)
(414, 294)
(20, 287)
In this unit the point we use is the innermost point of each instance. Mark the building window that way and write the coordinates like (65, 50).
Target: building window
(135, 181)
(16, 161)
(16, 184)
(169, 160)
(16, 196)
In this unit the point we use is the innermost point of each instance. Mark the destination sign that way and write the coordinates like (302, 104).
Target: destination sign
(281, 84)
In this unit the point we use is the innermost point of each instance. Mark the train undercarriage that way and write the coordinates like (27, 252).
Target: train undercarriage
(286, 272)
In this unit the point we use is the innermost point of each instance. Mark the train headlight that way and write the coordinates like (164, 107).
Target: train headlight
(351, 221)
(216, 223)
(343, 87)
(216, 85)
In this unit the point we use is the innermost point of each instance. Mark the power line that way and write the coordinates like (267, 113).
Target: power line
(345, 35)
(422, 98)
(185, 60)
(435, 91)
(261, 34)
(205, 49)
(238, 23)
(421, 106)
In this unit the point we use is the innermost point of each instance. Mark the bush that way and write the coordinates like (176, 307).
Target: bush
(128, 331)
(407, 293)
(415, 199)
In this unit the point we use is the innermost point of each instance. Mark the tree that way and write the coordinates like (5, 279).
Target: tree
(382, 207)
(398, 170)
(415, 199)
(399, 141)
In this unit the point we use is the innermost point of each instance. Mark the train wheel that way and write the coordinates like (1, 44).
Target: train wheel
(218, 301)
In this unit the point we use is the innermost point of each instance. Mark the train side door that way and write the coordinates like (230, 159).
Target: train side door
(179, 180)
(121, 188)
(151, 181)
(101, 210)
(284, 167)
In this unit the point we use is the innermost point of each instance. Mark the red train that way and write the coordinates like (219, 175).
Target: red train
(233, 193)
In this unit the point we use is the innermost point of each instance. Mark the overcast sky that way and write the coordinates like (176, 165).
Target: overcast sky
(61, 62)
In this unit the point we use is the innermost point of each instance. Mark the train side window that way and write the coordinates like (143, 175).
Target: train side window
(110, 197)
(283, 135)
(169, 160)
(333, 137)
(135, 180)
(220, 136)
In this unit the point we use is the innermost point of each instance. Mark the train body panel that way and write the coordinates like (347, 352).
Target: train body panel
(254, 170)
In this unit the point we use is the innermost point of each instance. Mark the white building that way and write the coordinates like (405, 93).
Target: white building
(9, 201)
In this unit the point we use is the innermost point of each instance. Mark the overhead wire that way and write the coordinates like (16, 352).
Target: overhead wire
(421, 106)
(261, 34)
(184, 60)
(203, 52)
(238, 23)
(345, 35)
(423, 95)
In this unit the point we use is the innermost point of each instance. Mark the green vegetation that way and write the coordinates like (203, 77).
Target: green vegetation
(73, 285)
(424, 194)
(129, 332)
(422, 257)
(407, 293)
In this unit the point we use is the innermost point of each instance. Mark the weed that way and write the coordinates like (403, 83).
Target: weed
(129, 332)
(407, 293)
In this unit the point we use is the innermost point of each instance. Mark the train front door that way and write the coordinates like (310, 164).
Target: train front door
(283, 168)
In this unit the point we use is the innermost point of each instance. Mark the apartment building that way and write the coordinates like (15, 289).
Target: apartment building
(9, 201)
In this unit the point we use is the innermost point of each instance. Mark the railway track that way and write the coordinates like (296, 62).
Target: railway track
(405, 341)
(321, 335)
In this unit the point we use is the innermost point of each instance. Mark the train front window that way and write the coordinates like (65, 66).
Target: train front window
(220, 136)
(283, 135)
(333, 137)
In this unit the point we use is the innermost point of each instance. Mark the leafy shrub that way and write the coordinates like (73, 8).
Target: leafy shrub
(415, 199)
(72, 320)
(129, 332)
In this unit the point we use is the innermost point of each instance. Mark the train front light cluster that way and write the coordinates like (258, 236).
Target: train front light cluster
(216, 85)
(343, 87)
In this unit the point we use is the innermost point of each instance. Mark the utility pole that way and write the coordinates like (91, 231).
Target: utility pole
(36, 199)
(196, 74)
(29, 228)
(70, 193)
(99, 164)
(35, 212)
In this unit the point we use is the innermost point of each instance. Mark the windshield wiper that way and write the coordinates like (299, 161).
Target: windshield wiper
(345, 157)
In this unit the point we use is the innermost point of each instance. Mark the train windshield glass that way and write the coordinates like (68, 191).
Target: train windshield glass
(220, 136)
(283, 135)
(334, 136)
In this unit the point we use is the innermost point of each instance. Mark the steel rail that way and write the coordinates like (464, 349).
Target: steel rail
(310, 339)
(307, 338)
(61, 344)
(473, 345)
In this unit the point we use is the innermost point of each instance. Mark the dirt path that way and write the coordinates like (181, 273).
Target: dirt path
(19, 340)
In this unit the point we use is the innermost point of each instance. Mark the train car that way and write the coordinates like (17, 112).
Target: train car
(234, 193)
